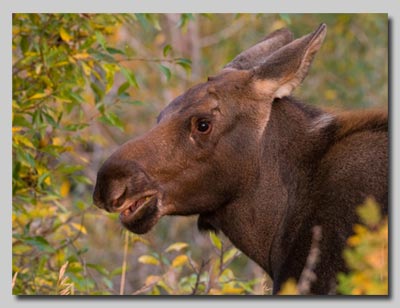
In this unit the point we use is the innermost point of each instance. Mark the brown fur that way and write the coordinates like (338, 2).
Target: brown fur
(267, 169)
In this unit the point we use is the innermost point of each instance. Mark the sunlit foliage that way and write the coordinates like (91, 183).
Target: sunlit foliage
(367, 254)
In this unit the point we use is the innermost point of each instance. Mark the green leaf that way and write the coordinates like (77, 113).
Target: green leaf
(142, 20)
(369, 213)
(80, 205)
(100, 269)
(108, 282)
(122, 88)
(138, 103)
(167, 50)
(24, 44)
(116, 272)
(229, 255)
(185, 18)
(286, 18)
(99, 92)
(114, 51)
(74, 96)
(40, 243)
(42, 178)
(130, 77)
(100, 56)
(112, 119)
(186, 64)
(30, 159)
(166, 71)
(50, 119)
(162, 284)
(101, 39)
(76, 126)
(83, 179)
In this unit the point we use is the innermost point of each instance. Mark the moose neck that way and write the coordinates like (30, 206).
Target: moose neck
(294, 139)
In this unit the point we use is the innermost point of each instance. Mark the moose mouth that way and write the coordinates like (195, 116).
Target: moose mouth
(140, 215)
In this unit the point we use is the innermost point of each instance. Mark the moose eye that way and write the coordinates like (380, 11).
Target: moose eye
(203, 126)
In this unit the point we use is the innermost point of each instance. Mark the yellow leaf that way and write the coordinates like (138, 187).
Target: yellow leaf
(179, 261)
(86, 69)
(47, 180)
(63, 217)
(289, 288)
(65, 35)
(353, 240)
(215, 292)
(22, 140)
(62, 63)
(38, 96)
(176, 246)
(79, 227)
(71, 59)
(57, 141)
(232, 290)
(152, 279)
(227, 274)
(146, 259)
(81, 56)
(16, 129)
(278, 24)
(360, 230)
(64, 189)
(357, 291)
(215, 240)
(330, 94)
(377, 259)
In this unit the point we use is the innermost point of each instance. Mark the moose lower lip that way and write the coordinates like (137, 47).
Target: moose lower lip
(136, 205)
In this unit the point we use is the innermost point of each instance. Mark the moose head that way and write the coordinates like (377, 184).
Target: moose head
(204, 151)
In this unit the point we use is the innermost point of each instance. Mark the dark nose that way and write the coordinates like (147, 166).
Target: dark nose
(116, 180)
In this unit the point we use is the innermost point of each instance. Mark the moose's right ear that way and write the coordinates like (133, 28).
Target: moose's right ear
(286, 68)
(257, 54)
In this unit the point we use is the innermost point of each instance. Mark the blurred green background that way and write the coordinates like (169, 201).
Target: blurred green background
(85, 83)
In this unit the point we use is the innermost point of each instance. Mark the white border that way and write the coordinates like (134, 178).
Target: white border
(392, 7)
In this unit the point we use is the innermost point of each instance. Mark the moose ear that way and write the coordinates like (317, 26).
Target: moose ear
(286, 68)
(257, 54)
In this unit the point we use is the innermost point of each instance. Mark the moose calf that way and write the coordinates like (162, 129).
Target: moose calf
(256, 163)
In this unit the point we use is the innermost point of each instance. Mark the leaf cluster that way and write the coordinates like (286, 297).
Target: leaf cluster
(367, 254)
(179, 273)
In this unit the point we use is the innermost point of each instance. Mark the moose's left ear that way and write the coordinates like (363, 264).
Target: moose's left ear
(286, 68)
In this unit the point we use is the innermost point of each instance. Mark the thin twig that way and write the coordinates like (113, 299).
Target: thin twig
(198, 274)
(221, 259)
(308, 275)
(123, 276)
(145, 287)
(173, 60)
